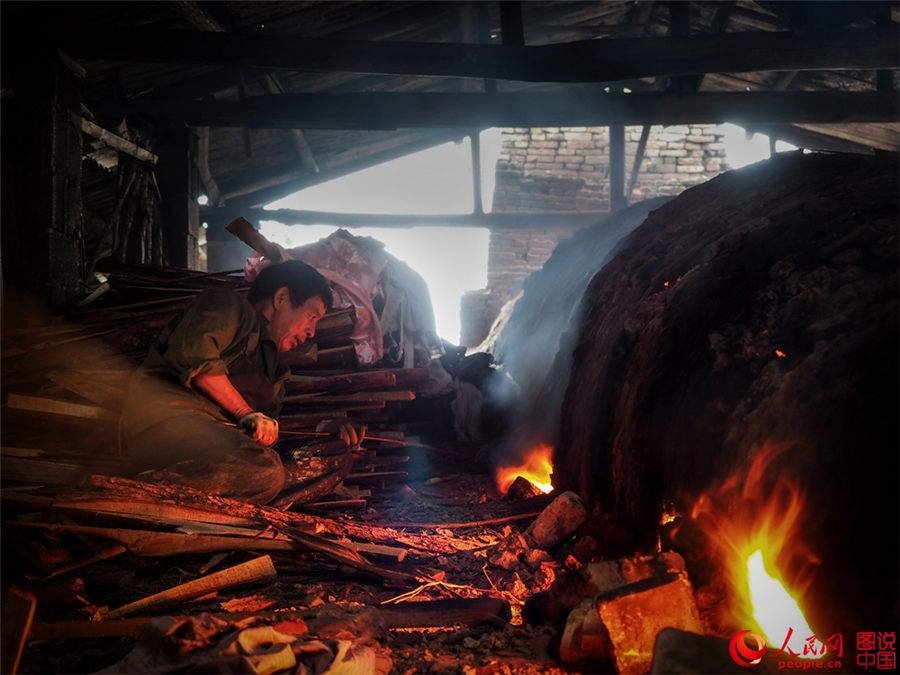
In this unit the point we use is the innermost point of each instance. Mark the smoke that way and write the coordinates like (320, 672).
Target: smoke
(534, 347)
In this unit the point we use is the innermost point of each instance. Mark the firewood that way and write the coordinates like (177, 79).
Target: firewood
(257, 570)
(124, 488)
(433, 613)
(18, 613)
(337, 504)
(349, 382)
(150, 510)
(104, 553)
(416, 379)
(354, 397)
(151, 543)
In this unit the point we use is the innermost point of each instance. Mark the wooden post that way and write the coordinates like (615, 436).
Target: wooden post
(475, 137)
(638, 160)
(42, 222)
(617, 167)
(178, 183)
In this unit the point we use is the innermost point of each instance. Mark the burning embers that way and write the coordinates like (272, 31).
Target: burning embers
(753, 526)
(536, 468)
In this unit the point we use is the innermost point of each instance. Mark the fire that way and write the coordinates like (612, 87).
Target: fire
(754, 523)
(537, 468)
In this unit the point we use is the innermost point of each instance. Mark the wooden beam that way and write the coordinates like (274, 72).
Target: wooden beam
(117, 142)
(477, 199)
(489, 220)
(583, 61)
(512, 28)
(638, 160)
(617, 198)
(526, 109)
(274, 86)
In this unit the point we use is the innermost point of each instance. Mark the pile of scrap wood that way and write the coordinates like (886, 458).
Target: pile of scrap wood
(78, 573)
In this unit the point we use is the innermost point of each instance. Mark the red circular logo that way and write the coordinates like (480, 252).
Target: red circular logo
(742, 653)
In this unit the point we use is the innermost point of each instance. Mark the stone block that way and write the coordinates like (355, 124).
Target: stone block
(557, 522)
(633, 620)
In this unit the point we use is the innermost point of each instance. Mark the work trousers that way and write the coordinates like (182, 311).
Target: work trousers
(173, 434)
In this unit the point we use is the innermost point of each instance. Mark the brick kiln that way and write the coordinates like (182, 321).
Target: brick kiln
(734, 376)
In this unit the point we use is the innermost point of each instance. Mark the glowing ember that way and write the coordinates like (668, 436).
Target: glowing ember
(753, 522)
(537, 469)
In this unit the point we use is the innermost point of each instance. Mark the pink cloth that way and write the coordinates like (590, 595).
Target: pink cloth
(353, 266)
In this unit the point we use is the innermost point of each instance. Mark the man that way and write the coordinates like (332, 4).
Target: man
(201, 410)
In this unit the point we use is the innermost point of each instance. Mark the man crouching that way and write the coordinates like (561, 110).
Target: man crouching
(201, 410)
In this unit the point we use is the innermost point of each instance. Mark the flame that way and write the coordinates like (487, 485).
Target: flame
(754, 524)
(537, 468)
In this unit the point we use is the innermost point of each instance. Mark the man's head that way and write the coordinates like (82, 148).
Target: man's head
(293, 296)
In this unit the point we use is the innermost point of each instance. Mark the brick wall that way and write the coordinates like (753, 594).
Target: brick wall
(567, 169)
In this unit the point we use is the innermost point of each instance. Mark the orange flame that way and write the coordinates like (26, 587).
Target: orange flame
(537, 468)
(753, 523)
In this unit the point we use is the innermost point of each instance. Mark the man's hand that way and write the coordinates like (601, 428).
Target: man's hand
(350, 433)
(261, 427)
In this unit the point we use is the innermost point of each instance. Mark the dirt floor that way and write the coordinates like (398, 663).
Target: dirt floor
(462, 541)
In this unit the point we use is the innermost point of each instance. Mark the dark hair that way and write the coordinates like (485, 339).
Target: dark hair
(303, 282)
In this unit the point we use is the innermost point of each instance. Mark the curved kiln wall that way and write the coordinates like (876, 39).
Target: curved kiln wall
(758, 308)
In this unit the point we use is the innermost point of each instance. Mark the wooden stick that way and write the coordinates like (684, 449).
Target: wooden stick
(104, 553)
(257, 570)
(355, 397)
(474, 523)
(457, 611)
(18, 613)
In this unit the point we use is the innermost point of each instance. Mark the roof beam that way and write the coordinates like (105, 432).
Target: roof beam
(583, 61)
(524, 109)
(401, 220)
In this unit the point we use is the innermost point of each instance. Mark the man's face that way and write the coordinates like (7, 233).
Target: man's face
(291, 326)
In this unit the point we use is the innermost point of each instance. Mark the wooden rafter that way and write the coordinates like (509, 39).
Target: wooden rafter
(583, 61)
(401, 220)
(520, 109)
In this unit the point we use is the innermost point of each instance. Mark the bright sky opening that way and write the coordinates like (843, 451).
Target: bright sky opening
(451, 260)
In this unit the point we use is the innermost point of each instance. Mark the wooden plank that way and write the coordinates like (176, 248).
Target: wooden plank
(526, 109)
(373, 379)
(405, 220)
(257, 570)
(582, 61)
(43, 404)
(354, 397)
(150, 543)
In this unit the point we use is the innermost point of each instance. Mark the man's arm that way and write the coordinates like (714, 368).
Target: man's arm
(220, 390)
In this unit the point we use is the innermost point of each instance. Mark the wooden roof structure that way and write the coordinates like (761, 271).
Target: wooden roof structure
(285, 95)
